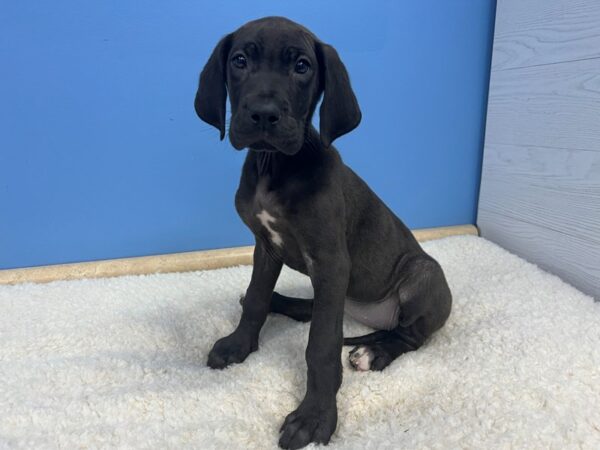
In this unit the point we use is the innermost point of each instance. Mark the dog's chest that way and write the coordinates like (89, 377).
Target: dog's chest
(264, 215)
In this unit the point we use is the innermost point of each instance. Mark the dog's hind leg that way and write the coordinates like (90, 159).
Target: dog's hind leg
(299, 309)
(425, 303)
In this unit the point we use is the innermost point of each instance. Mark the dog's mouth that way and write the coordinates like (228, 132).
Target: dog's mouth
(262, 146)
(263, 143)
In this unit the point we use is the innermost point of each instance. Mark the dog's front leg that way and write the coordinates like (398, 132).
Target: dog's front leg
(316, 417)
(244, 340)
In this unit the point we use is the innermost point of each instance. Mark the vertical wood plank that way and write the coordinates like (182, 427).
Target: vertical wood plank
(540, 189)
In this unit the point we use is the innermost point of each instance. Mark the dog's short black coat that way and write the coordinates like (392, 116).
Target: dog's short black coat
(311, 212)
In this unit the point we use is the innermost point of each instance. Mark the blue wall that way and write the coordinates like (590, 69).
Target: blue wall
(102, 155)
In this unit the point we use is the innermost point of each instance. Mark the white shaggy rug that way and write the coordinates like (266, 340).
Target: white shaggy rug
(121, 363)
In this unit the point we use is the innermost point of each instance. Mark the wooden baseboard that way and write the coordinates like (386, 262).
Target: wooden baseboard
(174, 262)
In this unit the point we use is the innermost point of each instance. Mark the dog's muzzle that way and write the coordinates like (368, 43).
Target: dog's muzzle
(263, 126)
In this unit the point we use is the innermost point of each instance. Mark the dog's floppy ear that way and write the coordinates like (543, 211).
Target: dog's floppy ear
(211, 97)
(339, 113)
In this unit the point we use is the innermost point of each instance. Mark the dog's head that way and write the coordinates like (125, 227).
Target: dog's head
(275, 72)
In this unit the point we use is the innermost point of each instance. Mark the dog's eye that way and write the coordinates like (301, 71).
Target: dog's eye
(239, 61)
(302, 66)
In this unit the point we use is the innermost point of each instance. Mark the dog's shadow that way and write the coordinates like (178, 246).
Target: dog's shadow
(191, 326)
(189, 331)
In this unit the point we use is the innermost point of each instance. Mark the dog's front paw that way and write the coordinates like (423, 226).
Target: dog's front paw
(309, 423)
(231, 349)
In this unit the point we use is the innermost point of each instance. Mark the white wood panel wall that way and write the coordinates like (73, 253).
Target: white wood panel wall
(540, 188)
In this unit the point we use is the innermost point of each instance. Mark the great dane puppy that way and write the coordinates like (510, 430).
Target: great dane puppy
(310, 211)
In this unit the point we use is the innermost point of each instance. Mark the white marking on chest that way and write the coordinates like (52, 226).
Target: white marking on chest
(266, 220)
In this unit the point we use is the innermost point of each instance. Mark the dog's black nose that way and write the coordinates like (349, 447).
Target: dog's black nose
(265, 115)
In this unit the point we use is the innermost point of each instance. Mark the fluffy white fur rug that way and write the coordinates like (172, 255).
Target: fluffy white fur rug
(121, 363)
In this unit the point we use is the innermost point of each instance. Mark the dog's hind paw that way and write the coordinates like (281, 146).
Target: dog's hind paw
(370, 357)
(361, 357)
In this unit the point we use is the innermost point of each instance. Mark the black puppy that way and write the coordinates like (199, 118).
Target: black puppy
(311, 212)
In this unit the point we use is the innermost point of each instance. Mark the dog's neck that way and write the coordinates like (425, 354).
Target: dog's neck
(267, 161)
(263, 163)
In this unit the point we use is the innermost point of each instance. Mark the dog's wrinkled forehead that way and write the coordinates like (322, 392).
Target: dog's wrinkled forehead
(274, 71)
(273, 39)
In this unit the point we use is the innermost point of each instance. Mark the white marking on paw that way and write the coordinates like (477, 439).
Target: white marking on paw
(360, 358)
(266, 219)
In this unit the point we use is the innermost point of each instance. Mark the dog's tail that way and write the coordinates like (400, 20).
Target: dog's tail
(367, 338)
